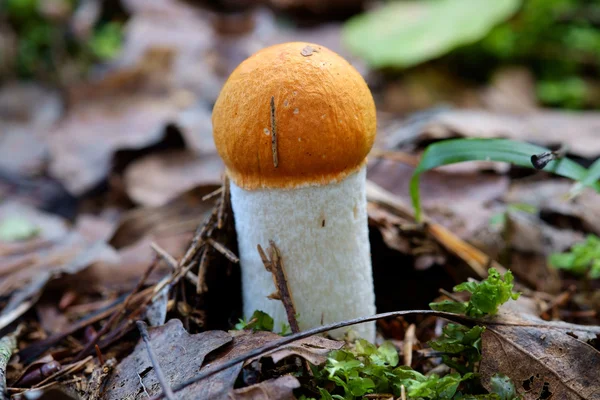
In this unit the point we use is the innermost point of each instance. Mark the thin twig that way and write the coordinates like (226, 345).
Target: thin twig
(223, 250)
(223, 201)
(198, 239)
(172, 262)
(204, 260)
(274, 134)
(282, 292)
(409, 341)
(311, 332)
(451, 296)
(212, 194)
(119, 312)
(8, 344)
(157, 369)
(66, 370)
(143, 387)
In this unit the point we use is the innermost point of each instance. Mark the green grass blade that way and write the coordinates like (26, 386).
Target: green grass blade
(590, 179)
(459, 150)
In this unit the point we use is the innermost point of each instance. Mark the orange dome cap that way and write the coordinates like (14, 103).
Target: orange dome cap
(325, 119)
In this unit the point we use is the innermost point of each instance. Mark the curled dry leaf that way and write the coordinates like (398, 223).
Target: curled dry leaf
(274, 389)
(543, 358)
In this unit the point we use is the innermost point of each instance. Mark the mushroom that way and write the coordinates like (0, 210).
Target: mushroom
(293, 124)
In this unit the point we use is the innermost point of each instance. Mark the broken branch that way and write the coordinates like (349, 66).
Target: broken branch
(275, 266)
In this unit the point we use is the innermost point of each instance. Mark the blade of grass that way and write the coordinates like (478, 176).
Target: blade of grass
(459, 150)
(590, 179)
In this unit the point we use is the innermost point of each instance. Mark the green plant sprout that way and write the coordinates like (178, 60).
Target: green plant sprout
(583, 259)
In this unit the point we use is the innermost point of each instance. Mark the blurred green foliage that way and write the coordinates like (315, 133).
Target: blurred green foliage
(583, 258)
(558, 40)
(46, 41)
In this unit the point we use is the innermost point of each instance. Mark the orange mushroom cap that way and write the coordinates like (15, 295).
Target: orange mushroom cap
(325, 118)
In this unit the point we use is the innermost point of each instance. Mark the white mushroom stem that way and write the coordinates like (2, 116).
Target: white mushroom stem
(322, 234)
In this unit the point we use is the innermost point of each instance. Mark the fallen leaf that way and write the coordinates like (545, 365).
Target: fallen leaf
(180, 355)
(281, 388)
(27, 266)
(543, 358)
(459, 201)
(128, 109)
(156, 179)
(218, 385)
(27, 111)
(182, 214)
(549, 197)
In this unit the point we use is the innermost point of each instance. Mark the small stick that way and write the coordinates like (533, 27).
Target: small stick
(157, 369)
(402, 392)
(212, 194)
(274, 134)
(198, 239)
(201, 284)
(172, 262)
(8, 344)
(223, 202)
(223, 250)
(409, 340)
(275, 266)
(120, 311)
(451, 296)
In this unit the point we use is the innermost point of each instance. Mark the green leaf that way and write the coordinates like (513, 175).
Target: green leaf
(403, 34)
(259, 321)
(488, 295)
(449, 306)
(592, 176)
(459, 150)
(581, 259)
(386, 354)
(17, 228)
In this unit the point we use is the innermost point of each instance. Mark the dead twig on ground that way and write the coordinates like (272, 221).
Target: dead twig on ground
(117, 314)
(409, 341)
(274, 264)
(172, 262)
(168, 392)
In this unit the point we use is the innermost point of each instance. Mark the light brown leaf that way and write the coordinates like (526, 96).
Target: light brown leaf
(274, 389)
(156, 179)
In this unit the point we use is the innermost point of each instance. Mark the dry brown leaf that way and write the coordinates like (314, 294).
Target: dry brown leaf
(459, 201)
(128, 109)
(156, 179)
(180, 355)
(535, 353)
(27, 111)
(274, 389)
(549, 197)
(55, 250)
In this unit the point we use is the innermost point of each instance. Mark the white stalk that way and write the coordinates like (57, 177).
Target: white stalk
(322, 234)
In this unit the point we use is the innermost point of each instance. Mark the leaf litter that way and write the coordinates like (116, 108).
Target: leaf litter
(129, 216)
